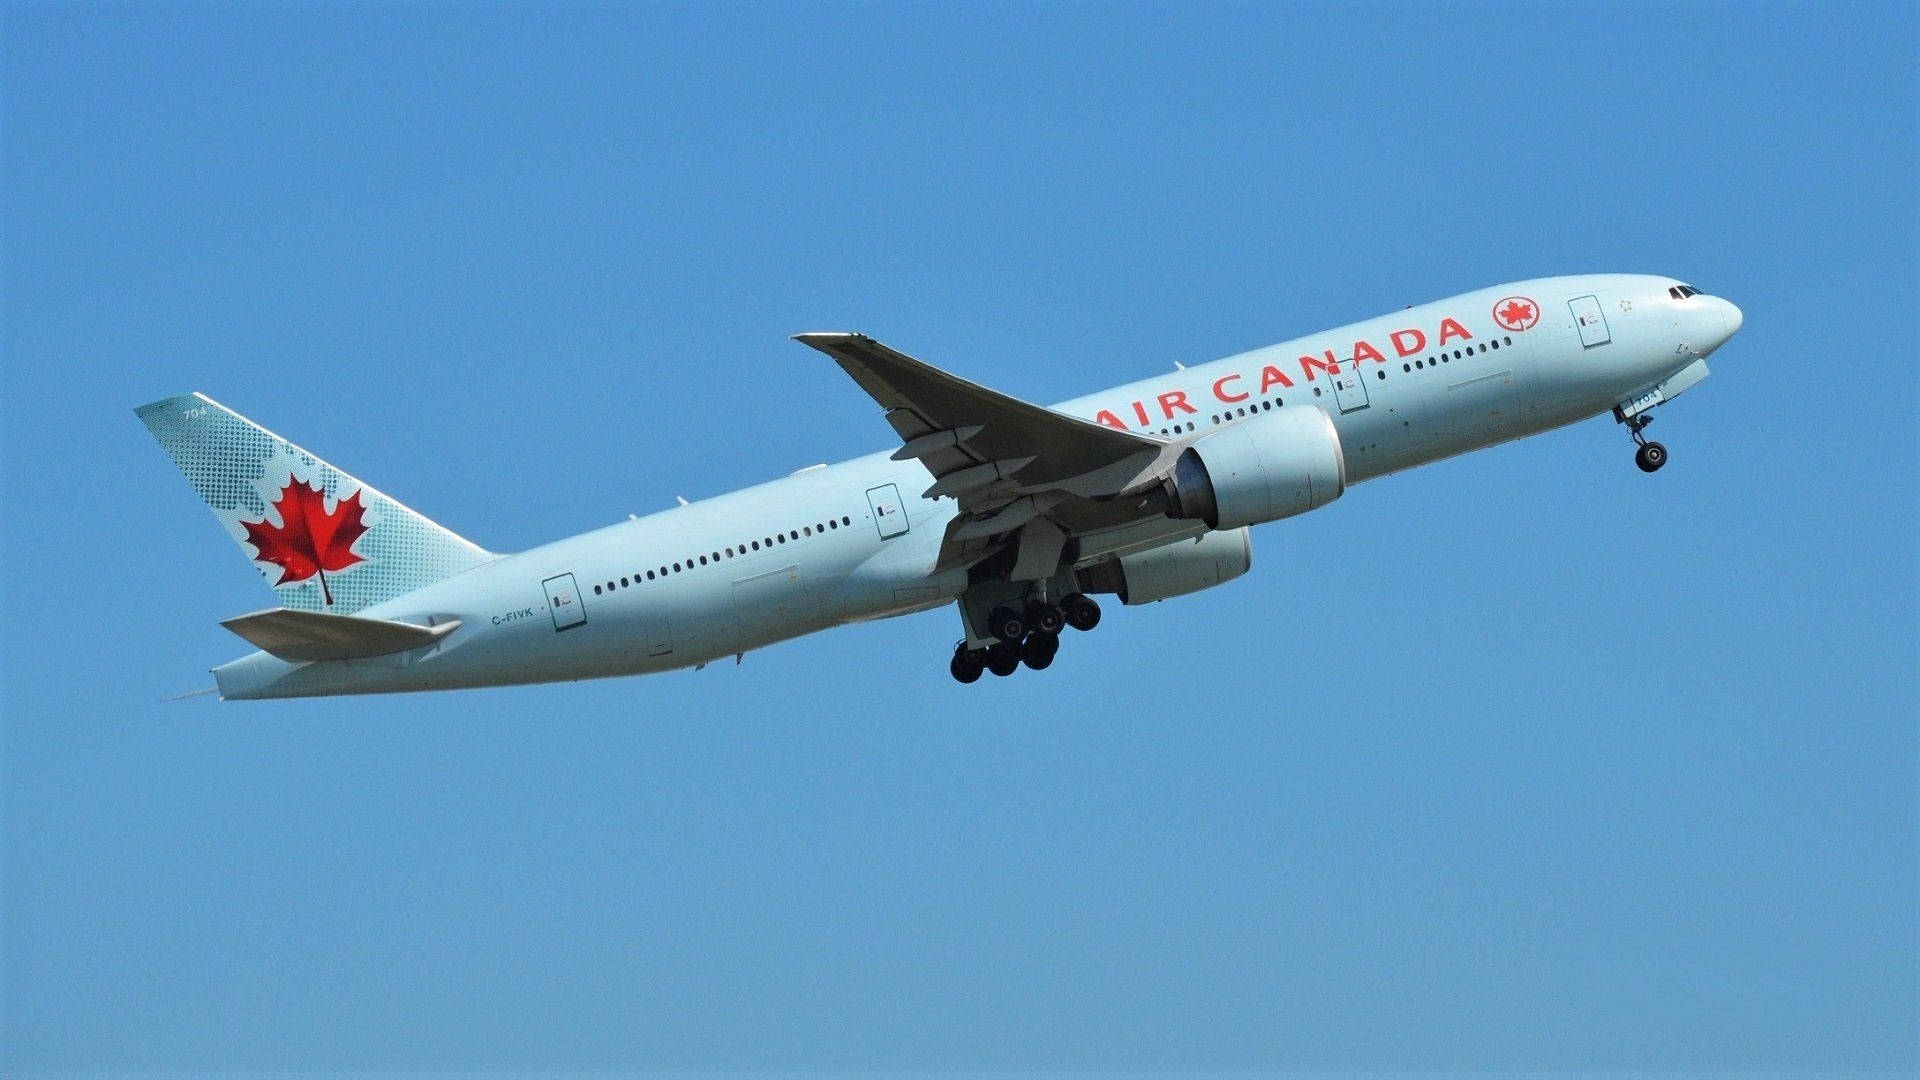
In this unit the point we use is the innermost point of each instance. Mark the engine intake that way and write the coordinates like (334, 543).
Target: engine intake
(1264, 468)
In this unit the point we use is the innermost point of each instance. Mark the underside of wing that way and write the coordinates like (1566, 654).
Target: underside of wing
(1008, 463)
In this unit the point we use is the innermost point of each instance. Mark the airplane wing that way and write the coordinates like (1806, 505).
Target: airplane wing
(1006, 461)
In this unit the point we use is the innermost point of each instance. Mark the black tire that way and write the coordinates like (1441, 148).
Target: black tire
(963, 672)
(1045, 618)
(1008, 623)
(1003, 659)
(1650, 457)
(1039, 650)
(1081, 612)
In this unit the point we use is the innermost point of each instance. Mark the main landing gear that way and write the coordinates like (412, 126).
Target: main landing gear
(1029, 634)
(1651, 455)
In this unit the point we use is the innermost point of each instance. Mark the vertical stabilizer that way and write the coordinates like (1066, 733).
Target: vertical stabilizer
(323, 540)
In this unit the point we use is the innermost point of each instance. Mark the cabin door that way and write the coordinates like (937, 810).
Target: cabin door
(563, 602)
(1591, 321)
(889, 516)
(1349, 388)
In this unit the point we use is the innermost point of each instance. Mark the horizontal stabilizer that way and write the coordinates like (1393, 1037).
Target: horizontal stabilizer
(315, 635)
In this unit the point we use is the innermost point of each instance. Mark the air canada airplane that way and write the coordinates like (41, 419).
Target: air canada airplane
(1017, 515)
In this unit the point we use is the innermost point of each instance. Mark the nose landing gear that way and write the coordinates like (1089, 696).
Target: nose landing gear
(1650, 455)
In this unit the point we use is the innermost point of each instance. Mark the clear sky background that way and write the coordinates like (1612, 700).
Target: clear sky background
(1521, 762)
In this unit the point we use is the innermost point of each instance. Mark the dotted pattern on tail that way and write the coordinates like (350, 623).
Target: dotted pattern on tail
(239, 468)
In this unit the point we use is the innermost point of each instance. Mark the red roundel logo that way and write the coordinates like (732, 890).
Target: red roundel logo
(1516, 313)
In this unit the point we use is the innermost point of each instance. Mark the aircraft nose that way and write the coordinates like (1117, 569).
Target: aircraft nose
(1731, 316)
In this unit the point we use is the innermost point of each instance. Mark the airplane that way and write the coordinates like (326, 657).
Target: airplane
(1015, 514)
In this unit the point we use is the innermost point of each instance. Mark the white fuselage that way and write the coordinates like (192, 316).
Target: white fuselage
(809, 551)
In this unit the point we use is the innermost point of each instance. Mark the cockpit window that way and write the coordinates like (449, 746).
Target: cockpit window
(1681, 292)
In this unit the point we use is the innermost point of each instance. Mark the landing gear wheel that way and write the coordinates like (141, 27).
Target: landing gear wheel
(1045, 618)
(1080, 611)
(1039, 650)
(1003, 659)
(1008, 623)
(968, 663)
(1651, 455)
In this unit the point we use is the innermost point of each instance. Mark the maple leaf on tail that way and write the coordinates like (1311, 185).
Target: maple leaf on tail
(308, 540)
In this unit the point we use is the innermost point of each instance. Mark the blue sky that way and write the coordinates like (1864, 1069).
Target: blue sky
(1523, 762)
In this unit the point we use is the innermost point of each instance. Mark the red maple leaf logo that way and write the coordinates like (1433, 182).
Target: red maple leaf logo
(1516, 313)
(309, 540)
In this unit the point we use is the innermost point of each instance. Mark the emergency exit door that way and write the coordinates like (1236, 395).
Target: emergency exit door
(1591, 321)
(1349, 389)
(889, 516)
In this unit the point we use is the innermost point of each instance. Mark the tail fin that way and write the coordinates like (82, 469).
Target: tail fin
(323, 540)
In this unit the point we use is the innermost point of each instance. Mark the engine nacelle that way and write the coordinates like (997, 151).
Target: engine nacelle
(1262, 468)
(1175, 569)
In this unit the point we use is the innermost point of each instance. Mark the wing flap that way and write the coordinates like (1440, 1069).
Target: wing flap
(316, 635)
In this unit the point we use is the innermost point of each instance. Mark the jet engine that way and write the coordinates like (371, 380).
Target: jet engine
(1176, 569)
(1263, 468)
